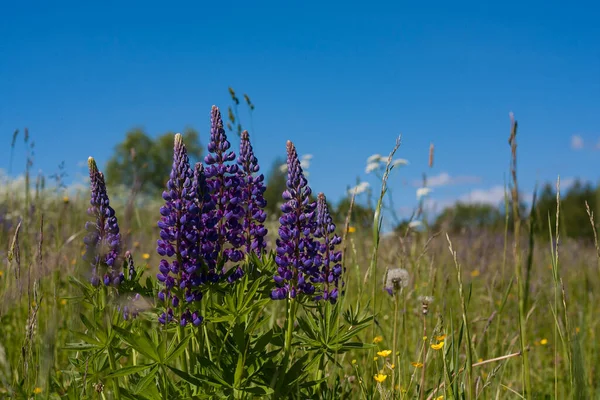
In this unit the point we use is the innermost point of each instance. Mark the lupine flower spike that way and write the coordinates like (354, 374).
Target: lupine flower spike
(328, 259)
(252, 198)
(296, 249)
(103, 240)
(225, 187)
(179, 240)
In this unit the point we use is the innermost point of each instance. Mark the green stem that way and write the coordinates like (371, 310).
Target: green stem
(394, 340)
(291, 317)
(113, 367)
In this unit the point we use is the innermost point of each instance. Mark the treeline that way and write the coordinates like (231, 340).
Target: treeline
(574, 220)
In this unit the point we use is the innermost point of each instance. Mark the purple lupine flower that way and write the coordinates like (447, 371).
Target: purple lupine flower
(130, 266)
(296, 249)
(179, 238)
(206, 226)
(225, 188)
(103, 240)
(328, 259)
(252, 198)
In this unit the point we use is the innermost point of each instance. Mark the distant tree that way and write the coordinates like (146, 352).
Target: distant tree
(361, 218)
(574, 220)
(469, 217)
(143, 163)
(276, 185)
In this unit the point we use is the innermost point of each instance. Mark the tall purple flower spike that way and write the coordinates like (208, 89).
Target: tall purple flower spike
(252, 198)
(225, 187)
(328, 259)
(103, 240)
(296, 249)
(179, 240)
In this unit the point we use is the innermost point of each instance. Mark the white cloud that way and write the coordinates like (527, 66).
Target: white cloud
(493, 196)
(445, 179)
(576, 142)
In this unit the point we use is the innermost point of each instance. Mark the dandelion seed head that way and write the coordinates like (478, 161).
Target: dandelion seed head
(395, 280)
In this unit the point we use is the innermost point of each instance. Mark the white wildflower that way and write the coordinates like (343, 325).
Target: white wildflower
(372, 167)
(399, 161)
(360, 188)
(375, 158)
(423, 192)
(414, 224)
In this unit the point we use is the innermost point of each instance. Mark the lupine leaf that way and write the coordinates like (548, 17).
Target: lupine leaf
(140, 343)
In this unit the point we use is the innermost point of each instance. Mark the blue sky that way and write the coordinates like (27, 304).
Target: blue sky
(341, 80)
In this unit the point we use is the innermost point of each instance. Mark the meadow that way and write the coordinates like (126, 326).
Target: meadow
(233, 303)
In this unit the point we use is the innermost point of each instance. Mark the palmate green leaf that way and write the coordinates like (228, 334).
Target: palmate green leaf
(85, 288)
(262, 342)
(79, 346)
(296, 371)
(199, 380)
(215, 372)
(87, 339)
(353, 330)
(88, 324)
(258, 390)
(178, 350)
(140, 343)
(146, 380)
(130, 370)
(249, 295)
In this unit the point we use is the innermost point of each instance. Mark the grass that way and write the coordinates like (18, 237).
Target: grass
(467, 326)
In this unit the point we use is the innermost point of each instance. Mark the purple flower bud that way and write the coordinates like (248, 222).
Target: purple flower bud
(103, 241)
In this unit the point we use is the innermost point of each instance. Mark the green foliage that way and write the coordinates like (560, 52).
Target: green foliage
(276, 184)
(574, 220)
(361, 217)
(142, 163)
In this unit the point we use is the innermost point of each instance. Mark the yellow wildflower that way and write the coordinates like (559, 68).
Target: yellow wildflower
(353, 362)
(380, 377)
(416, 364)
(544, 342)
(475, 273)
(384, 353)
(438, 346)
(424, 338)
(66, 199)
(378, 339)
(351, 229)
(375, 358)
(577, 329)
(441, 337)
(480, 360)
(63, 302)
(439, 398)
(1, 274)
(37, 390)
(145, 256)
(136, 244)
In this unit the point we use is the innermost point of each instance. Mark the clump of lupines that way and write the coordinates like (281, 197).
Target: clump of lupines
(225, 187)
(252, 198)
(328, 259)
(296, 248)
(103, 240)
(179, 239)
